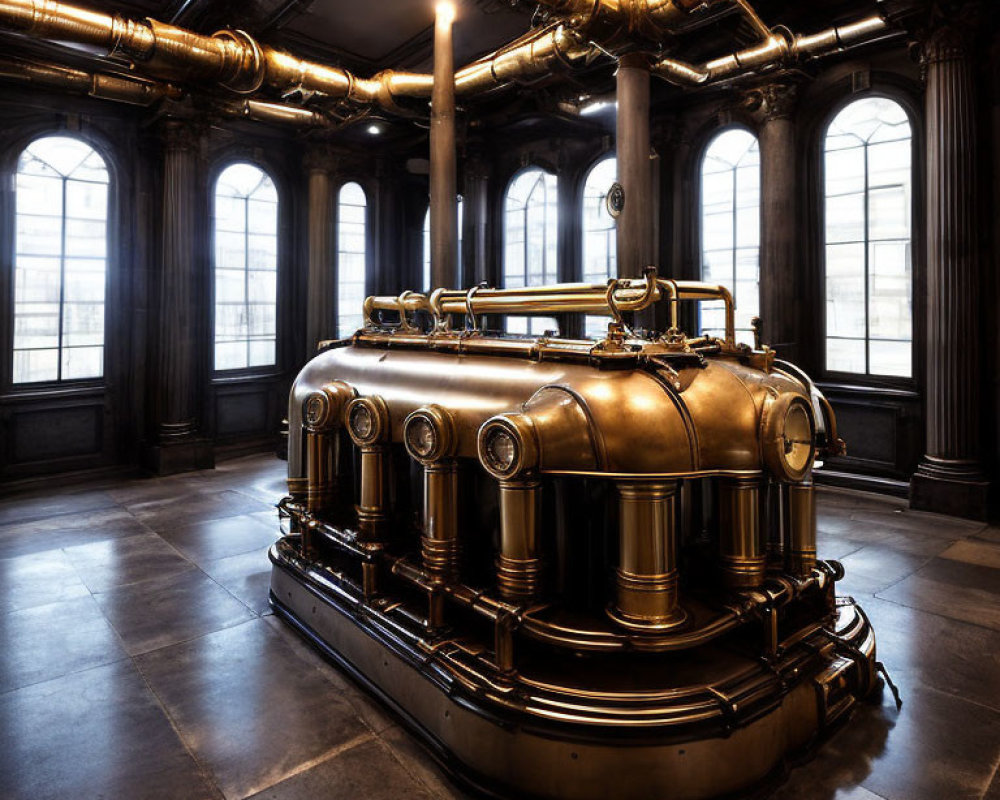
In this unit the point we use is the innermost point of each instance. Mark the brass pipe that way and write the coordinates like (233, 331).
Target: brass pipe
(439, 544)
(518, 564)
(741, 548)
(648, 596)
(373, 499)
(777, 48)
(799, 517)
(443, 170)
(320, 469)
(239, 62)
(104, 87)
(593, 298)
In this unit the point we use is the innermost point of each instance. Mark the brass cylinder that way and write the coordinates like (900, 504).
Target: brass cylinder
(373, 498)
(800, 527)
(518, 565)
(439, 543)
(741, 546)
(647, 578)
(321, 449)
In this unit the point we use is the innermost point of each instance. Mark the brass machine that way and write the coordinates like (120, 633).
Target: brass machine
(580, 569)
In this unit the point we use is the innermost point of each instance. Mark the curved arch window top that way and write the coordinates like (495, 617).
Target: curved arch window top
(246, 268)
(867, 205)
(60, 261)
(425, 280)
(530, 240)
(352, 208)
(600, 256)
(730, 228)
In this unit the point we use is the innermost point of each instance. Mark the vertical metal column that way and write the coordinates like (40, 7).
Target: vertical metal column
(635, 225)
(647, 578)
(741, 546)
(444, 202)
(321, 321)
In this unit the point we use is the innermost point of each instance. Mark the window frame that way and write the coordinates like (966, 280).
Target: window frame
(224, 375)
(698, 212)
(817, 226)
(113, 245)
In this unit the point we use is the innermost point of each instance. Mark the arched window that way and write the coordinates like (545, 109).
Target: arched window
(867, 204)
(246, 268)
(730, 228)
(530, 246)
(351, 253)
(599, 243)
(60, 261)
(425, 283)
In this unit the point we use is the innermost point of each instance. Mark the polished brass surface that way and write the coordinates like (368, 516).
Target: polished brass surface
(742, 555)
(646, 576)
(800, 519)
(439, 543)
(518, 563)
(540, 459)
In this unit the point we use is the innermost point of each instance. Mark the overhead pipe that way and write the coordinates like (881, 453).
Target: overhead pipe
(777, 48)
(239, 62)
(141, 92)
(134, 91)
(443, 172)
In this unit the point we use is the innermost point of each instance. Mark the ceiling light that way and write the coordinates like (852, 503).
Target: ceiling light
(597, 106)
(445, 12)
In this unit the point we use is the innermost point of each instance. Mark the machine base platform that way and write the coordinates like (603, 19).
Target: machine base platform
(506, 736)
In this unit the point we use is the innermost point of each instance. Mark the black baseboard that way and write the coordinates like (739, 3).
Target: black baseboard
(862, 483)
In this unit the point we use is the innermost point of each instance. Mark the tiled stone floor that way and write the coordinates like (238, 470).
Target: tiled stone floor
(138, 657)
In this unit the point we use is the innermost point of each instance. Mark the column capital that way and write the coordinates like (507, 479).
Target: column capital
(950, 32)
(320, 156)
(180, 134)
(772, 101)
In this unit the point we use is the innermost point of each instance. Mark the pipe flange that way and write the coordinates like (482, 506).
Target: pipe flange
(244, 78)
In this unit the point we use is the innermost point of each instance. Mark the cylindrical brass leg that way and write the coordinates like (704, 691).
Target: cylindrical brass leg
(518, 565)
(647, 578)
(800, 527)
(439, 543)
(372, 505)
(741, 546)
(320, 454)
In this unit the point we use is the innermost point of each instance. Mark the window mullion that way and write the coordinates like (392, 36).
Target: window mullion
(62, 282)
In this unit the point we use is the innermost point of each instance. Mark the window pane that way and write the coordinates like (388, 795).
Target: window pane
(61, 207)
(530, 236)
(869, 314)
(246, 263)
(845, 355)
(730, 228)
(351, 257)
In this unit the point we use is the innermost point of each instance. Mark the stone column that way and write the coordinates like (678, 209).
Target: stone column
(780, 265)
(320, 311)
(951, 479)
(475, 209)
(177, 445)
